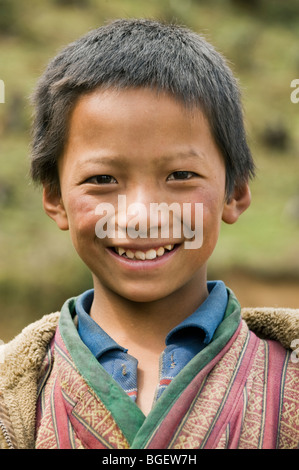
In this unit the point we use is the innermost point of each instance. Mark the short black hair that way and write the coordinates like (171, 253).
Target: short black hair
(132, 53)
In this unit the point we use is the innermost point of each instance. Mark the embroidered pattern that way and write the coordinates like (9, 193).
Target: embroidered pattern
(70, 415)
(206, 409)
(254, 416)
(246, 397)
(237, 404)
(289, 425)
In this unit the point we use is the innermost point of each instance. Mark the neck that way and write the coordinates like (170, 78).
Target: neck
(145, 324)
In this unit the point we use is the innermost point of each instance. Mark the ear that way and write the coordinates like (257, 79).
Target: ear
(236, 204)
(54, 208)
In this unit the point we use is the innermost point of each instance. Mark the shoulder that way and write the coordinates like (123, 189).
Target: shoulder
(27, 350)
(20, 363)
(276, 366)
(278, 324)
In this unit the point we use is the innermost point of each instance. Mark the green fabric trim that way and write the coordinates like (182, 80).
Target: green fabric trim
(125, 412)
(173, 391)
(137, 428)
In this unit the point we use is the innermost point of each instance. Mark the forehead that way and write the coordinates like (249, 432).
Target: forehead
(137, 124)
(149, 104)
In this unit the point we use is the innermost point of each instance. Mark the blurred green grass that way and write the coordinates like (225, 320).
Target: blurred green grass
(38, 266)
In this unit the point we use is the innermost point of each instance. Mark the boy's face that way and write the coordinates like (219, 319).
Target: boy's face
(147, 149)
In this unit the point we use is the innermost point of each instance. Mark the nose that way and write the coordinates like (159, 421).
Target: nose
(145, 214)
(133, 215)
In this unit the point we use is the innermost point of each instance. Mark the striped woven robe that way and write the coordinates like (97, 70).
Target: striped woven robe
(239, 392)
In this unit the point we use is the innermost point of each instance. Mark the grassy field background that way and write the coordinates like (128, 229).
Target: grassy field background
(38, 266)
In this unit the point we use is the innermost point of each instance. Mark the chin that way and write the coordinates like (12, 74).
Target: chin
(145, 295)
(142, 297)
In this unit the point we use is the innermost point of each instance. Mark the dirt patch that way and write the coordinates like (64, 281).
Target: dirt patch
(255, 291)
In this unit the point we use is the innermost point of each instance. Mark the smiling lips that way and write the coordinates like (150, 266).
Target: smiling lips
(143, 255)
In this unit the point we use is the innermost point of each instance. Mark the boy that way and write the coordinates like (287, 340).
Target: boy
(133, 114)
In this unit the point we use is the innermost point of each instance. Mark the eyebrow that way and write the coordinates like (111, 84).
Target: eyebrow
(191, 154)
(103, 160)
(184, 156)
(121, 160)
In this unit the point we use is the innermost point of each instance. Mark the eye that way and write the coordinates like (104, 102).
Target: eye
(181, 175)
(101, 179)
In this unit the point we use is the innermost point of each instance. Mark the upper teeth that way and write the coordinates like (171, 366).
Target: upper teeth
(142, 255)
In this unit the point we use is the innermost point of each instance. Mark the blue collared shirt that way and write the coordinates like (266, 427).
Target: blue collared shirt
(182, 343)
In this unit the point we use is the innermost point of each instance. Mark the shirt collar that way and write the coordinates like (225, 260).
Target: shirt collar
(208, 315)
(206, 318)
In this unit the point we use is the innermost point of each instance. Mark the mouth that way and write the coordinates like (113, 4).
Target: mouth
(145, 254)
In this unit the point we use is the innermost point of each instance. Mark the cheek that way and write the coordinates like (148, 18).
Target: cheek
(82, 218)
(207, 210)
(212, 216)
